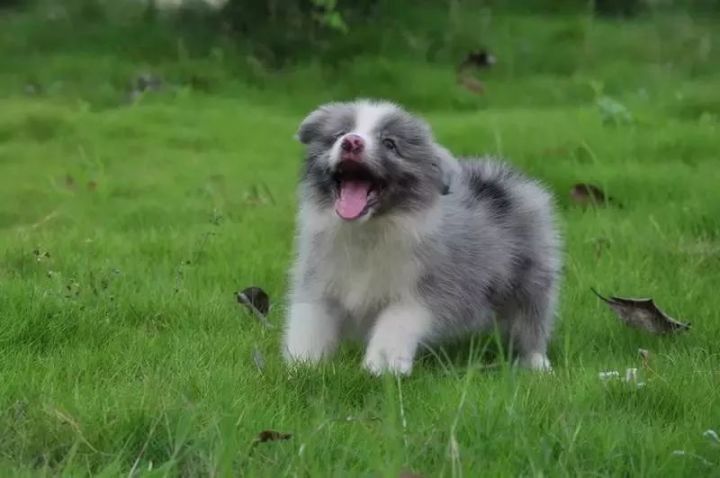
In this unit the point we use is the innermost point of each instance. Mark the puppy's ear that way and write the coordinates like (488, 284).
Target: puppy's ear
(448, 169)
(311, 126)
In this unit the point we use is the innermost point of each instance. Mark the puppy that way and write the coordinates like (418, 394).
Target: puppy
(402, 246)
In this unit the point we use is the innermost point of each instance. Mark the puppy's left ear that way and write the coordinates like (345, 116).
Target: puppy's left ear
(448, 169)
(311, 126)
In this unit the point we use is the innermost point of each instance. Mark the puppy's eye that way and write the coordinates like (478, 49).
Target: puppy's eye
(389, 144)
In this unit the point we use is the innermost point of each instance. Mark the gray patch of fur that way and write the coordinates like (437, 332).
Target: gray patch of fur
(497, 255)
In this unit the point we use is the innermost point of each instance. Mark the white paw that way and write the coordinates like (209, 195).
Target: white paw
(537, 361)
(396, 337)
(310, 335)
(382, 361)
(295, 354)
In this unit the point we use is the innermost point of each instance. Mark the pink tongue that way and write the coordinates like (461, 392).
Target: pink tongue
(353, 199)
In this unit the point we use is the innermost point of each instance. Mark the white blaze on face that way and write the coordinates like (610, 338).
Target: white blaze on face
(367, 116)
(355, 192)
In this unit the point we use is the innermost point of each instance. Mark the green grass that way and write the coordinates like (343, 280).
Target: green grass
(125, 230)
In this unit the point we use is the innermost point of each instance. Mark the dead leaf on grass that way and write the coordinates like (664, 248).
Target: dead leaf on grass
(477, 60)
(643, 314)
(272, 435)
(257, 300)
(471, 84)
(585, 194)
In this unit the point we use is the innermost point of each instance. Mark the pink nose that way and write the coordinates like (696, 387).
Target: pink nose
(353, 144)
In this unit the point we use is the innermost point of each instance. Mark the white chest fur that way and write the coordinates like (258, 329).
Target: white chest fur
(365, 272)
(363, 266)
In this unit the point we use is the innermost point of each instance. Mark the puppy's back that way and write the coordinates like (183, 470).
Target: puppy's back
(498, 246)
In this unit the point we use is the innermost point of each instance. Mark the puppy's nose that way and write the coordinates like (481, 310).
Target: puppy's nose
(352, 143)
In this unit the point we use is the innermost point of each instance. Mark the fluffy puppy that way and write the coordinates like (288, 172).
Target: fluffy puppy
(402, 246)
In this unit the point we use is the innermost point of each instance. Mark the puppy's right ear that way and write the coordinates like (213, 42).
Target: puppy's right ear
(311, 127)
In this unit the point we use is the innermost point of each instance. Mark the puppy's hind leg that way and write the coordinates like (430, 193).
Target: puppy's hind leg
(311, 333)
(528, 325)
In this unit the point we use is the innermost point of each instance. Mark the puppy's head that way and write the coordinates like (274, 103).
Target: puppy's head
(366, 159)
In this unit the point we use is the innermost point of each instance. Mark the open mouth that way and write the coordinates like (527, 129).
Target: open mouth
(357, 188)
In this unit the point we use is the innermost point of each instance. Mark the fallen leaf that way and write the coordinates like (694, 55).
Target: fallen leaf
(272, 435)
(643, 314)
(92, 185)
(257, 300)
(585, 194)
(476, 59)
(471, 84)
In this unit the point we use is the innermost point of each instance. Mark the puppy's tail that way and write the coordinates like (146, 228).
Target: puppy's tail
(448, 166)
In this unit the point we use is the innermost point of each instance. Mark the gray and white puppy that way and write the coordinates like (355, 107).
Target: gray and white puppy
(402, 246)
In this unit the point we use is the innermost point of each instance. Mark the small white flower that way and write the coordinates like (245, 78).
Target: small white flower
(609, 375)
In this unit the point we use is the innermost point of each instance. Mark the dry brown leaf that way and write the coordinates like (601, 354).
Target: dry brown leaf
(272, 435)
(643, 314)
(257, 300)
(478, 60)
(586, 194)
(471, 84)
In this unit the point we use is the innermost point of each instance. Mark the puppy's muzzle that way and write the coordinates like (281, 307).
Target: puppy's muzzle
(352, 147)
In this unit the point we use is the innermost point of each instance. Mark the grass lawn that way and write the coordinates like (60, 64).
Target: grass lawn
(126, 229)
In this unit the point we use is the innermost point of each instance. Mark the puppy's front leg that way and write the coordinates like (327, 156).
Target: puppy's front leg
(399, 330)
(311, 332)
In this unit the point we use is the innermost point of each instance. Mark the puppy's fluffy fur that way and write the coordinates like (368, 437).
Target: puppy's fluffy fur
(431, 249)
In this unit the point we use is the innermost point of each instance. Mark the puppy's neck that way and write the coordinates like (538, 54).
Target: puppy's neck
(399, 228)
